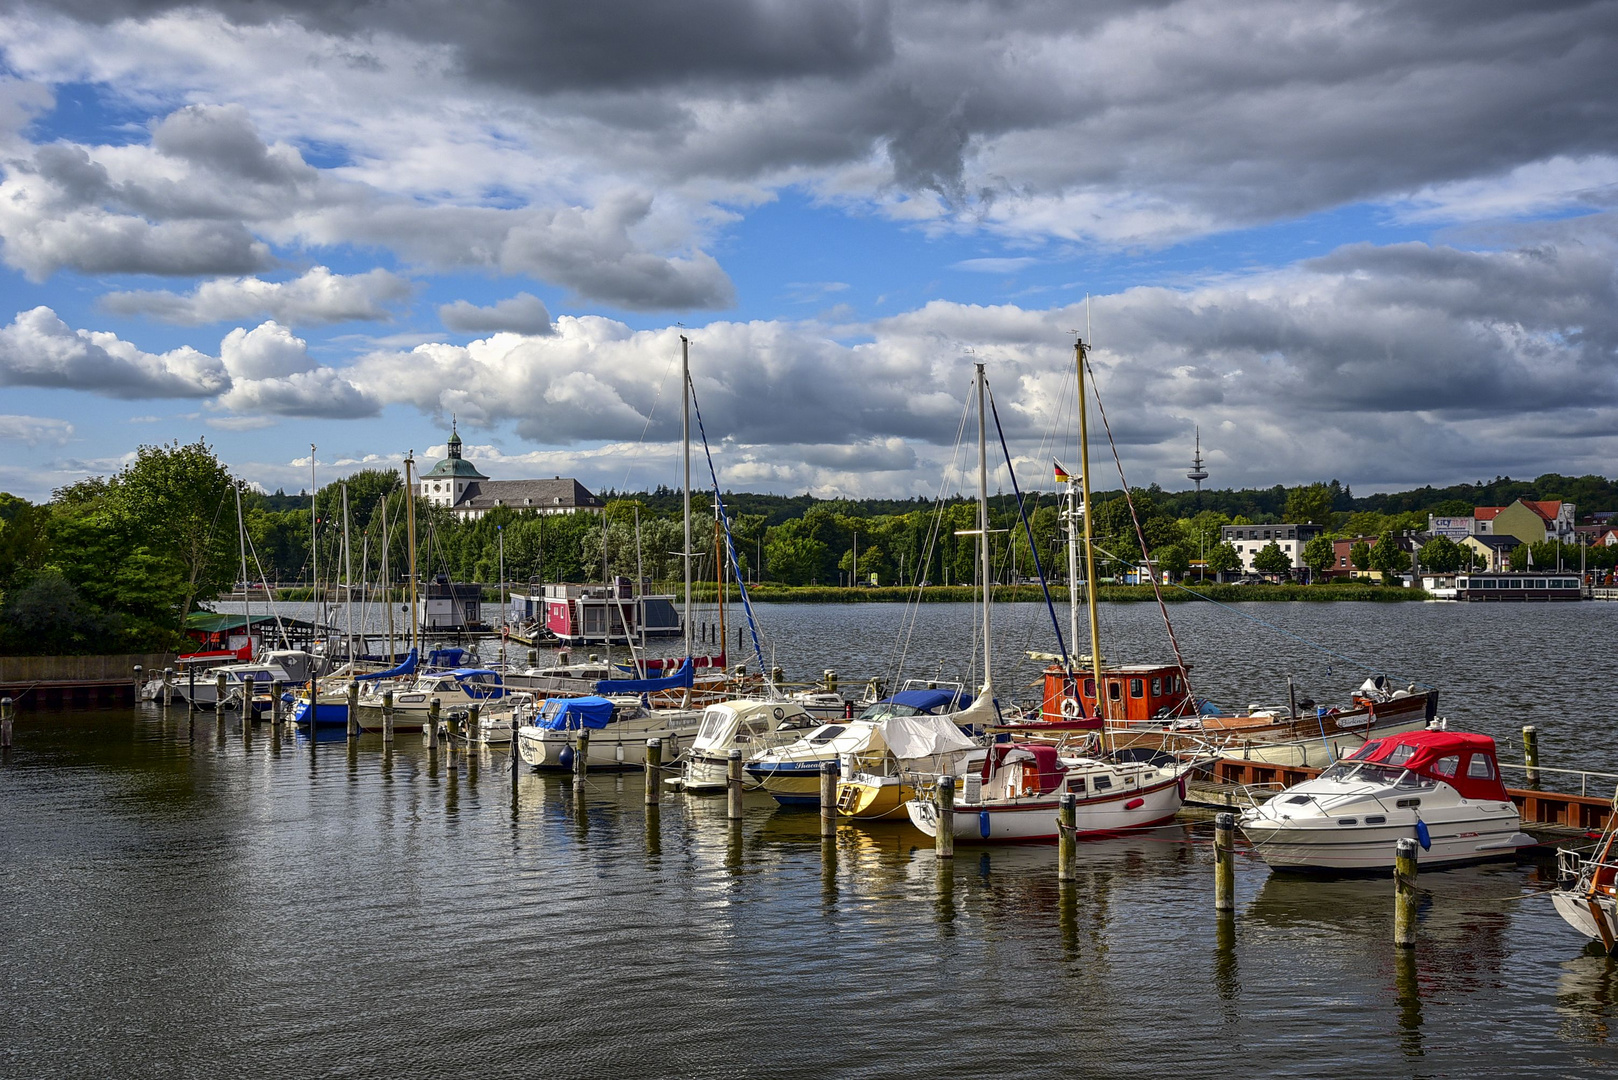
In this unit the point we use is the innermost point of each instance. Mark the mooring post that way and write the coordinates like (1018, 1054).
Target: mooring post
(654, 771)
(944, 838)
(247, 703)
(474, 724)
(828, 797)
(1067, 815)
(831, 680)
(1404, 894)
(733, 785)
(1530, 753)
(353, 708)
(219, 692)
(138, 671)
(387, 717)
(277, 688)
(6, 707)
(432, 724)
(516, 758)
(191, 689)
(1225, 862)
(168, 687)
(581, 753)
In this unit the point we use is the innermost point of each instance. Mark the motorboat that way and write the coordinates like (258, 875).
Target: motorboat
(289, 667)
(1440, 787)
(1587, 896)
(921, 736)
(619, 730)
(748, 725)
(1015, 795)
(453, 689)
(326, 699)
(791, 772)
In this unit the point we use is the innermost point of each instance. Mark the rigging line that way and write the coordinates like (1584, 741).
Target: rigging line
(650, 413)
(1023, 513)
(1140, 534)
(730, 547)
(1287, 633)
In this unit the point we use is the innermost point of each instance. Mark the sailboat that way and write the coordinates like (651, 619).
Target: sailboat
(1015, 794)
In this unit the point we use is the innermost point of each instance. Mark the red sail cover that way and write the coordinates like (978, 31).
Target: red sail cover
(1459, 758)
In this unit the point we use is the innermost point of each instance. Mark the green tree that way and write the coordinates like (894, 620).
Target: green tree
(1442, 555)
(1174, 561)
(1310, 505)
(177, 501)
(1388, 557)
(1517, 558)
(1320, 554)
(1224, 558)
(1272, 560)
(1359, 555)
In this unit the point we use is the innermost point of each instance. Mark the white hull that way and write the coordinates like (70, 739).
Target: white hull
(1034, 819)
(1575, 907)
(703, 772)
(1330, 846)
(619, 745)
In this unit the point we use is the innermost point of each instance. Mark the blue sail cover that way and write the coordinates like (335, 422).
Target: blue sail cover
(560, 714)
(445, 657)
(684, 677)
(406, 667)
(933, 701)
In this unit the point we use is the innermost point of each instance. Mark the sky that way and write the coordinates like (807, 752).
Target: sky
(1365, 241)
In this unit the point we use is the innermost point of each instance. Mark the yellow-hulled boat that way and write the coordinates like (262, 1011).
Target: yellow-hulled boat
(870, 797)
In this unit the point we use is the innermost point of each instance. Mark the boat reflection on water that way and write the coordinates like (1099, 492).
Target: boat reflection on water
(1587, 996)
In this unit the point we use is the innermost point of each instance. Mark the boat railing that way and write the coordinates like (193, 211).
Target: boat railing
(1584, 775)
(1251, 792)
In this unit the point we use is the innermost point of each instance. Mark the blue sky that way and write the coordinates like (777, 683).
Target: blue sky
(1372, 242)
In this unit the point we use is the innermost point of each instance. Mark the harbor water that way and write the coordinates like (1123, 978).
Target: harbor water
(181, 900)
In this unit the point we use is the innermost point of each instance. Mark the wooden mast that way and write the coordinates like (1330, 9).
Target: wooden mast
(1079, 350)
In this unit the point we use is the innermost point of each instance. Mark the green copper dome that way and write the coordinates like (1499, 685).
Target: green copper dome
(454, 466)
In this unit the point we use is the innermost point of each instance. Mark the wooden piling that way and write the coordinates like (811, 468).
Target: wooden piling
(7, 710)
(1225, 862)
(432, 724)
(1067, 813)
(654, 771)
(168, 687)
(828, 798)
(733, 786)
(387, 717)
(353, 708)
(581, 753)
(516, 756)
(277, 688)
(191, 689)
(219, 693)
(830, 676)
(944, 838)
(1530, 753)
(138, 681)
(247, 705)
(474, 724)
(1404, 894)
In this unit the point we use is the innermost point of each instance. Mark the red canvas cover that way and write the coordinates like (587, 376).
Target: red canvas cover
(1045, 763)
(1432, 747)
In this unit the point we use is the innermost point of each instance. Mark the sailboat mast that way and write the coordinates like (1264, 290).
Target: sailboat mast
(387, 577)
(1079, 349)
(247, 595)
(314, 543)
(685, 440)
(640, 591)
(410, 546)
(983, 521)
(505, 605)
(348, 575)
(1072, 566)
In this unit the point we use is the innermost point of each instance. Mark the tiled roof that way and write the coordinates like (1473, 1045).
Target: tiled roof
(1487, 513)
(527, 495)
(1545, 508)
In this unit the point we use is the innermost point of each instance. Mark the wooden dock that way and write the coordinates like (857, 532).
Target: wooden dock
(1546, 815)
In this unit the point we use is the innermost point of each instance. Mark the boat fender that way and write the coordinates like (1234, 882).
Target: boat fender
(983, 824)
(565, 758)
(1134, 804)
(1424, 837)
(1181, 786)
(1070, 708)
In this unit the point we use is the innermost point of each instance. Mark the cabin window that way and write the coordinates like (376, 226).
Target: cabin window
(827, 733)
(1365, 751)
(1446, 766)
(1157, 687)
(1103, 783)
(1481, 767)
(1348, 821)
(1405, 804)
(1115, 690)
(1401, 754)
(1376, 819)
(1137, 688)
(1076, 784)
(1089, 688)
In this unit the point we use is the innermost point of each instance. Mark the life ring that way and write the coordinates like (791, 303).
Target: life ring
(1070, 708)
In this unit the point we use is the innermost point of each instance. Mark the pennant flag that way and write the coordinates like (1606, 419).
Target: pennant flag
(1061, 474)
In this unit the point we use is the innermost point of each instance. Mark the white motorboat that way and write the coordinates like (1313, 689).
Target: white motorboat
(1016, 794)
(455, 689)
(619, 729)
(1587, 897)
(1441, 788)
(290, 667)
(751, 726)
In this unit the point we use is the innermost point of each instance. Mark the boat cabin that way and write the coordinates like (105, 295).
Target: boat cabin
(479, 684)
(599, 614)
(1136, 693)
(1464, 761)
(740, 723)
(1017, 770)
(936, 702)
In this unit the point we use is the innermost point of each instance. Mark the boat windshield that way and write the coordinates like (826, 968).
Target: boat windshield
(887, 710)
(826, 734)
(1372, 773)
(714, 723)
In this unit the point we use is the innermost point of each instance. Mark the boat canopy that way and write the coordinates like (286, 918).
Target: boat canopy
(445, 657)
(918, 703)
(561, 714)
(406, 667)
(684, 677)
(911, 737)
(1038, 758)
(1461, 759)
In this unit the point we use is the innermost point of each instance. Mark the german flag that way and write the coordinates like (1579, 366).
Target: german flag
(1061, 474)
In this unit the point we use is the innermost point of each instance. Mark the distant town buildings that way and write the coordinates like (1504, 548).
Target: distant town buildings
(456, 484)
(1529, 520)
(1491, 553)
(1249, 540)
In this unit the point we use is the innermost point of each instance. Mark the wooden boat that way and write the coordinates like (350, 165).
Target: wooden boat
(1441, 787)
(1587, 896)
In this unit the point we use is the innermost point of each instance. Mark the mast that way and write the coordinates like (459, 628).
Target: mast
(505, 606)
(640, 591)
(247, 596)
(314, 544)
(387, 578)
(607, 597)
(983, 523)
(1072, 567)
(1079, 350)
(685, 440)
(719, 567)
(410, 546)
(348, 576)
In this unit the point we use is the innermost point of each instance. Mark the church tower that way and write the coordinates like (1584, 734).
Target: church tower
(454, 478)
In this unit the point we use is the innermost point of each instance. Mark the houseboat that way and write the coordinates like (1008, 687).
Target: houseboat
(1521, 588)
(597, 614)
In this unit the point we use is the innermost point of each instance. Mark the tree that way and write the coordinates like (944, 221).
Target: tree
(1319, 554)
(1442, 555)
(177, 502)
(1359, 554)
(1517, 558)
(1174, 561)
(1223, 559)
(1272, 560)
(1388, 557)
(1310, 505)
